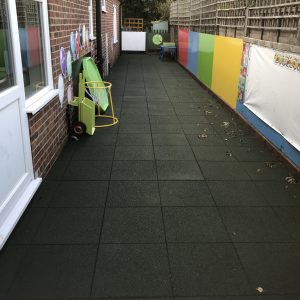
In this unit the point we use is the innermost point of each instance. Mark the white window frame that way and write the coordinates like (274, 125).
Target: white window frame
(115, 24)
(36, 102)
(103, 5)
(91, 21)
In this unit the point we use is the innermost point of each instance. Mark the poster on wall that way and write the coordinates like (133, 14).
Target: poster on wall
(243, 73)
(273, 89)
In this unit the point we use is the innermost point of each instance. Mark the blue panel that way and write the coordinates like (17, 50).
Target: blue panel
(193, 52)
(270, 134)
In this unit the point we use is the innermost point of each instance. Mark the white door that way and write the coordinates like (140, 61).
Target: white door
(17, 183)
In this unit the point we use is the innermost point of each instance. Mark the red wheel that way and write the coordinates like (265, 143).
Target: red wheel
(79, 129)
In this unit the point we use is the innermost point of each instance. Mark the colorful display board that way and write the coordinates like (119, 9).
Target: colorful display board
(226, 68)
(260, 83)
(183, 43)
(193, 45)
(206, 57)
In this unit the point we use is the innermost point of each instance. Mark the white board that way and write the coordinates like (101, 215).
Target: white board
(133, 41)
(273, 92)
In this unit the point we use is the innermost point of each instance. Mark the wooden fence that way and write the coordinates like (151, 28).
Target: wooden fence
(269, 20)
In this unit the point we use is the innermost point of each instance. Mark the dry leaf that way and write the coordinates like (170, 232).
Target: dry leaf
(260, 289)
(291, 179)
(225, 124)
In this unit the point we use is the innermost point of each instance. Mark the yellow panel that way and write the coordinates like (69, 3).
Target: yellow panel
(226, 68)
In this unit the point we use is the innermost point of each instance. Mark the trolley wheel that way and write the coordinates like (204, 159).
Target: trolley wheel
(79, 128)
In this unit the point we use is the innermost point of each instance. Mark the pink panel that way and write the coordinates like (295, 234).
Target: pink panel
(183, 44)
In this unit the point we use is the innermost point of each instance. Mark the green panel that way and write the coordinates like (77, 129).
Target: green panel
(206, 57)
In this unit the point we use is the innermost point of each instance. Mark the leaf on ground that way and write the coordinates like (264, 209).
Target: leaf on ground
(291, 180)
(225, 124)
(260, 289)
(269, 164)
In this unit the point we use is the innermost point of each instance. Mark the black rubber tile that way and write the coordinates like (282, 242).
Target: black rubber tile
(88, 170)
(194, 224)
(134, 91)
(188, 111)
(274, 267)
(164, 139)
(134, 118)
(58, 169)
(181, 99)
(134, 128)
(184, 105)
(252, 154)
(67, 152)
(163, 120)
(44, 193)
(213, 153)
(137, 99)
(146, 264)
(70, 226)
(134, 153)
(163, 110)
(236, 193)
(166, 128)
(185, 193)
(193, 119)
(80, 194)
(261, 171)
(204, 139)
(218, 298)
(134, 139)
(94, 153)
(10, 260)
(280, 193)
(27, 226)
(206, 269)
(133, 225)
(132, 84)
(156, 92)
(158, 99)
(98, 139)
(173, 153)
(254, 224)
(198, 128)
(133, 193)
(289, 216)
(223, 171)
(55, 272)
(178, 170)
(134, 170)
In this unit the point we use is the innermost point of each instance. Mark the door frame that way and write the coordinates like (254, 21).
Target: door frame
(18, 199)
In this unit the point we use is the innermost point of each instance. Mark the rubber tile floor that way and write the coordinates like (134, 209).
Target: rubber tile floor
(179, 201)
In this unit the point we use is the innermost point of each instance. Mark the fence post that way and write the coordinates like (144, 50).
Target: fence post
(246, 21)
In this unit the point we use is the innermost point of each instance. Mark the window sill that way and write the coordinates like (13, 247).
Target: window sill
(116, 42)
(42, 102)
(104, 10)
(92, 37)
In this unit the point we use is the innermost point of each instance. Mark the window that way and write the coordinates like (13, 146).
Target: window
(6, 68)
(103, 4)
(35, 49)
(115, 24)
(91, 21)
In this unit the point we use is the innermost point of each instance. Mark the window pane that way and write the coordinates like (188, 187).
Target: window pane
(32, 45)
(6, 66)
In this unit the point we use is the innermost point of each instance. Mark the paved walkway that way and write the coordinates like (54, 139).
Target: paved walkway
(179, 200)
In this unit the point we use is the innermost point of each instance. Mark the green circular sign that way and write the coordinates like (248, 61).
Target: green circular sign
(157, 39)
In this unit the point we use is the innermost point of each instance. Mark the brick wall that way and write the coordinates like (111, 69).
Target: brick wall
(48, 128)
(111, 50)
